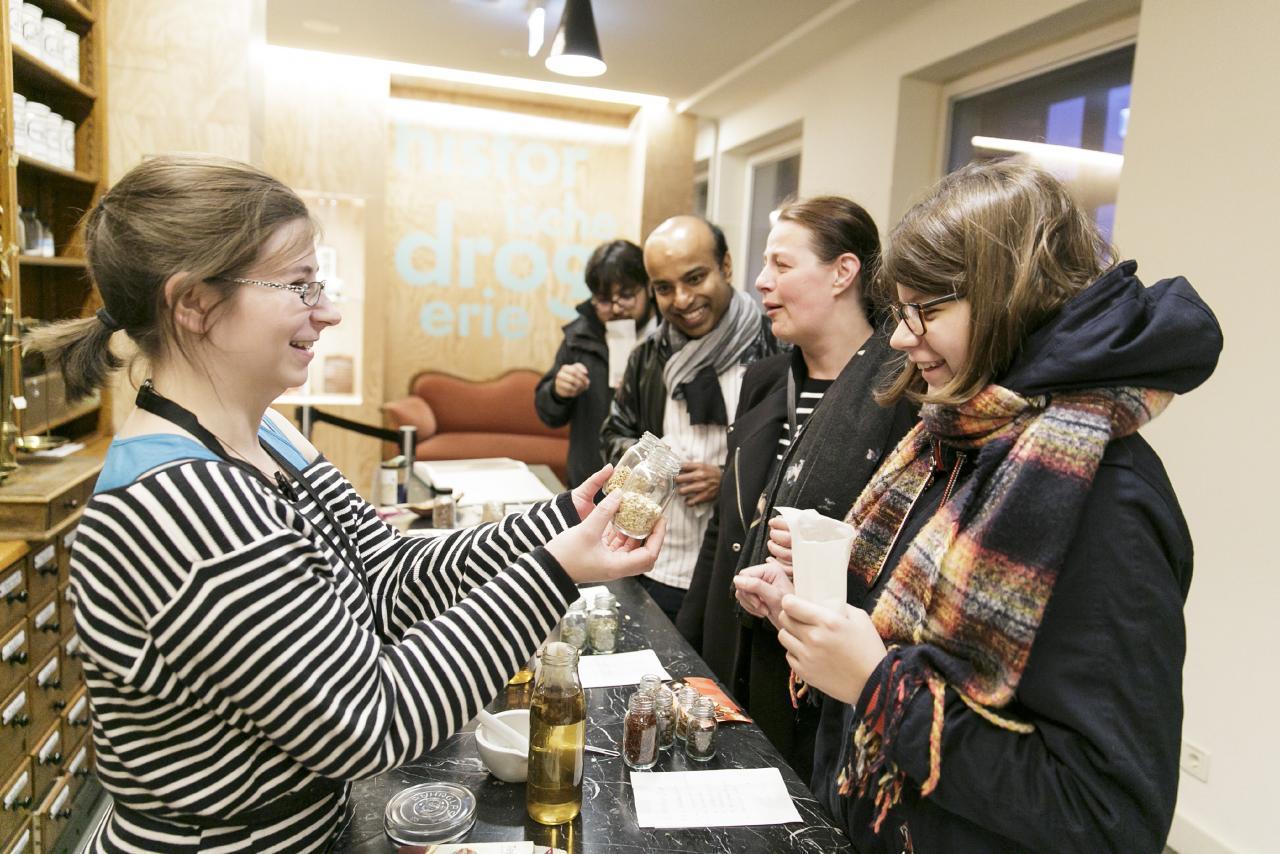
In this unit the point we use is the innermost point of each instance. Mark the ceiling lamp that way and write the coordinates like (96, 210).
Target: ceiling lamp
(575, 49)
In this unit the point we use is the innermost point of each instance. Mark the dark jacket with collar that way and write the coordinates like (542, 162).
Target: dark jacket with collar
(825, 467)
(583, 342)
(1103, 682)
(641, 400)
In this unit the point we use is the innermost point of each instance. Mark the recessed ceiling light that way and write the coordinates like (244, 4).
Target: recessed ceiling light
(324, 28)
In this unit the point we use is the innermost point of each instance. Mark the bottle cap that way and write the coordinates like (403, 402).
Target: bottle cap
(430, 813)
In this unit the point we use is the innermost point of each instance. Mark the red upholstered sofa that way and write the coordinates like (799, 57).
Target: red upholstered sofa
(459, 419)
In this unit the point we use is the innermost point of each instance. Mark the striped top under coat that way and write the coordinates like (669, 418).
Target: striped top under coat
(234, 657)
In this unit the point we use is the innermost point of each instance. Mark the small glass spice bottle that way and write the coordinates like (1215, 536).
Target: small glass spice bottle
(602, 624)
(573, 628)
(649, 684)
(684, 705)
(640, 733)
(444, 510)
(631, 457)
(700, 744)
(664, 706)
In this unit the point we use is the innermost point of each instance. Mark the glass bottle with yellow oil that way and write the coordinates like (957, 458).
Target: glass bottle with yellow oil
(557, 735)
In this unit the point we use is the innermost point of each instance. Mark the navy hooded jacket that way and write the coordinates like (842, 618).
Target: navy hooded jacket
(1103, 683)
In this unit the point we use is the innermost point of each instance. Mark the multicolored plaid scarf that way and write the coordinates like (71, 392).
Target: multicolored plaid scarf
(963, 605)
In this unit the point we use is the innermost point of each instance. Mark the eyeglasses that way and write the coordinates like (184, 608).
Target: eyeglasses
(912, 313)
(622, 299)
(308, 292)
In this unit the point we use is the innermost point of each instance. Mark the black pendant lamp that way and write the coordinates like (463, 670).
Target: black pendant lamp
(575, 49)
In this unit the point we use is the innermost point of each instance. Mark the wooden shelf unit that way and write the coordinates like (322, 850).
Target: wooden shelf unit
(42, 499)
(58, 287)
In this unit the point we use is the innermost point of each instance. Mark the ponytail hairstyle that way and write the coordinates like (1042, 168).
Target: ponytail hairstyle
(836, 226)
(1007, 237)
(200, 217)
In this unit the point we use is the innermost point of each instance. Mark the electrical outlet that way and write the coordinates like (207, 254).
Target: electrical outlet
(1195, 761)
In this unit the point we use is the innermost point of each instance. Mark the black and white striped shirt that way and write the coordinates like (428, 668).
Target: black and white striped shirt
(810, 396)
(234, 656)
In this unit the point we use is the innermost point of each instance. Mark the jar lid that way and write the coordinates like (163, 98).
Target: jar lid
(430, 812)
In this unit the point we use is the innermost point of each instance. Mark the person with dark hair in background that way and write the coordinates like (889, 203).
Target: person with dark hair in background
(808, 434)
(1007, 675)
(576, 390)
(682, 383)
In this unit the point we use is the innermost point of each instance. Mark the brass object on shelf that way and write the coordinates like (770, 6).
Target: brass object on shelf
(10, 430)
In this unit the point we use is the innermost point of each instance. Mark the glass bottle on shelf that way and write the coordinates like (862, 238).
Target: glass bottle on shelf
(444, 509)
(631, 457)
(646, 491)
(602, 624)
(640, 733)
(557, 737)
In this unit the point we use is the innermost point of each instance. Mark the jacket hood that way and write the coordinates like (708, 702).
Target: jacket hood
(1119, 333)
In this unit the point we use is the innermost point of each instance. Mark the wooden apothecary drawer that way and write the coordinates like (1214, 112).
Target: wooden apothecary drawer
(48, 695)
(16, 798)
(15, 726)
(22, 841)
(52, 814)
(46, 759)
(44, 626)
(15, 594)
(15, 657)
(42, 570)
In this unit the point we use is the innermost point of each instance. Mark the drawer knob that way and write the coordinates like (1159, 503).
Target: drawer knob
(19, 804)
(71, 503)
(51, 759)
(57, 705)
(19, 721)
(51, 627)
(83, 772)
(48, 569)
(20, 596)
(65, 812)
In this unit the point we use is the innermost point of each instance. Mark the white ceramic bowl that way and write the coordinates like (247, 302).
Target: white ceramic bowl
(508, 765)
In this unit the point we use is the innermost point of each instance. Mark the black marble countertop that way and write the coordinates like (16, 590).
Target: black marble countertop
(607, 822)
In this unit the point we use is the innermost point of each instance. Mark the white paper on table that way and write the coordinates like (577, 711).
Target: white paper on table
(619, 668)
(620, 336)
(481, 480)
(724, 798)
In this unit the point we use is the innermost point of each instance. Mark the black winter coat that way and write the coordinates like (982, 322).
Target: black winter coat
(583, 342)
(827, 465)
(1103, 682)
(641, 400)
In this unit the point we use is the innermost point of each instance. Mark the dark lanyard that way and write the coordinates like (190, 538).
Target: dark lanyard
(152, 401)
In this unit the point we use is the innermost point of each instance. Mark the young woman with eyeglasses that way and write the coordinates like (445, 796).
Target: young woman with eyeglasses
(575, 390)
(256, 636)
(1007, 675)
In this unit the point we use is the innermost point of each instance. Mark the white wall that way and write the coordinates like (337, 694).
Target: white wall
(1198, 197)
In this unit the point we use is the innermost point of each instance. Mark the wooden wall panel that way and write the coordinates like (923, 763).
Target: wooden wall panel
(323, 131)
(181, 79)
(490, 218)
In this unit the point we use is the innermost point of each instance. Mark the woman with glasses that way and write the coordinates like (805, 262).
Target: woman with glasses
(808, 433)
(1007, 675)
(575, 391)
(256, 637)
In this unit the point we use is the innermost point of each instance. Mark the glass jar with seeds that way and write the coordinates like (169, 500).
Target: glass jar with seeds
(629, 460)
(602, 624)
(646, 491)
